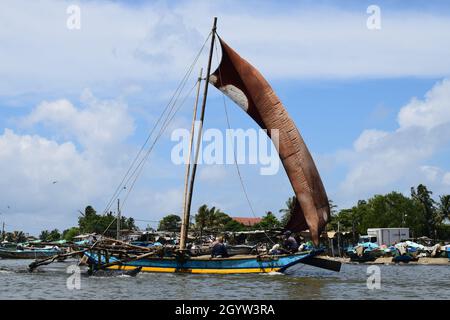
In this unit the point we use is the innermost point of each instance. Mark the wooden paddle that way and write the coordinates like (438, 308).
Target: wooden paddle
(315, 261)
(322, 263)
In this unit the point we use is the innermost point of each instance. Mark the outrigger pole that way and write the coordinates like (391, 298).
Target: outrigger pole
(187, 208)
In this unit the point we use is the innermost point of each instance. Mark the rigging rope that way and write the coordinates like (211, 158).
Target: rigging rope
(137, 171)
(170, 104)
(168, 116)
(152, 146)
(244, 189)
(142, 163)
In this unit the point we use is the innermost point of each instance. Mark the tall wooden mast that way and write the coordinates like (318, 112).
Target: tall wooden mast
(118, 220)
(185, 222)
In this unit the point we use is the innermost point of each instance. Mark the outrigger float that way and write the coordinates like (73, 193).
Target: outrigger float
(244, 85)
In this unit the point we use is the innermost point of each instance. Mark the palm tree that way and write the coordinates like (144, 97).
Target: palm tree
(212, 219)
(18, 236)
(201, 218)
(269, 221)
(288, 211)
(218, 219)
(333, 207)
(444, 207)
(422, 196)
(45, 235)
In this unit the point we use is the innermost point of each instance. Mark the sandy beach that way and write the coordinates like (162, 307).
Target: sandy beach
(388, 260)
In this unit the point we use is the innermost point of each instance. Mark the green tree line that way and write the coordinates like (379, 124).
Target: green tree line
(419, 212)
(214, 220)
(423, 214)
(90, 222)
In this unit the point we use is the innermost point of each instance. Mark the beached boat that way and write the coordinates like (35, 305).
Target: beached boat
(245, 86)
(367, 256)
(28, 253)
(403, 258)
(364, 252)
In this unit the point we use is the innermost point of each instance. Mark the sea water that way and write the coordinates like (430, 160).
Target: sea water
(56, 281)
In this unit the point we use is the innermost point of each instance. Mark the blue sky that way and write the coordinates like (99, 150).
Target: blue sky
(372, 105)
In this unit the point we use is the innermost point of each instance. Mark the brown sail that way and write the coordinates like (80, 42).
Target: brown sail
(245, 85)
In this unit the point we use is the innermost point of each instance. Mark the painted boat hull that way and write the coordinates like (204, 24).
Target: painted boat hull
(366, 257)
(27, 254)
(404, 258)
(232, 265)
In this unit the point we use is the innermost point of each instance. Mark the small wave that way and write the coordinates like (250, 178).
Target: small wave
(5, 271)
(125, 276)
(274, 273)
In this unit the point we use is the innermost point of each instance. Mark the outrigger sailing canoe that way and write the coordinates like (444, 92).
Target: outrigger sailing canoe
(206, 264)
(245, 85)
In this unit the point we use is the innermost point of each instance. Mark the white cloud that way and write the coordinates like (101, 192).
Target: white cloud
(446, 179)
(368, 139)
(431, 173)
(32, 163)
(86, 157)
(96, 126)
(429, 113)
(153, 43)
(383, 161)
(116, 45)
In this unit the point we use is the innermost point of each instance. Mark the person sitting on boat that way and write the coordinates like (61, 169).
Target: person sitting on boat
(290, 245)
(219, 250)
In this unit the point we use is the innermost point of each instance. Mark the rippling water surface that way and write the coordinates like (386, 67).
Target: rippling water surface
(301, 282)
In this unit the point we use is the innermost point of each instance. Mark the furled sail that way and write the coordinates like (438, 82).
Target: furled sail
(245, 85)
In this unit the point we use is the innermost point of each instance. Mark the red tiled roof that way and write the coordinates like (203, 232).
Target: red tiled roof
(247, 221)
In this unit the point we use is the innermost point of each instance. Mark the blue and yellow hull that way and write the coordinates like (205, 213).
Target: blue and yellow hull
(232, 265)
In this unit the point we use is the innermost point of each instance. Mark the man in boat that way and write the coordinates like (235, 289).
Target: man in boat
(290, 245)
(218, 249)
